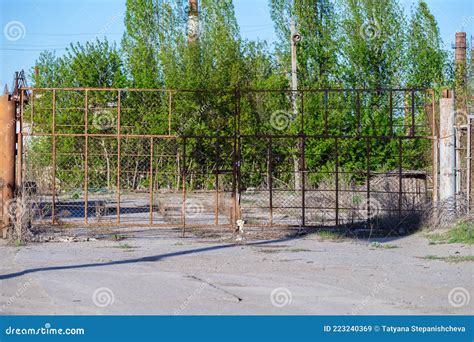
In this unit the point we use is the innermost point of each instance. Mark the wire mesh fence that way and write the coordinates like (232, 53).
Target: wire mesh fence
(189, 158)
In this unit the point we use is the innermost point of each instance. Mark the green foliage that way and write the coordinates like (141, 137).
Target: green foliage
(346, 44)
(461, 233)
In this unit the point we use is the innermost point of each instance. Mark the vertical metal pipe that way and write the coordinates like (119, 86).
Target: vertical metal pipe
(336, 148)
(86, 158)
(183, 175)
(367, 144)
(303, 181)
(358, 113)
(20, 168)
(468, 165)
(400, 178)
(326, 114)
(412, 131)
(434, 133)
(53, 208)
(302, 112)
(119, 100)
(7, 157)
(151, 180)
(391, 112)
(170, 104)
(270, 179)
(216, 193)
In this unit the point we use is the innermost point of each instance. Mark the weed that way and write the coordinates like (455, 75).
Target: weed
(461, 233)
(451, 258)
(378, 245)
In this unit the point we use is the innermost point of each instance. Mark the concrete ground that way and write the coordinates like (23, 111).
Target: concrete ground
(154, 271)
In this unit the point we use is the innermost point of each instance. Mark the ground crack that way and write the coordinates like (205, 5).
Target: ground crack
(239, 299)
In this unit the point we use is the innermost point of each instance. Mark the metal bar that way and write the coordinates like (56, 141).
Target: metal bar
(20, 148)
(412, 131)
(326, 114)
(303, 181)
(358, 114)
(221, 91)
(7, 161)
(280, 136)
(270, 179)
(237, 160)
(170, 103)
(391, 112)
(468, 165)
(86, 158)
(302, 112)
(53, 204)
(400, 178)
(119, 94)
(216, 199)
(151, 179)
(367, 143)
(434, 133)
(183, 173)
(336, 148)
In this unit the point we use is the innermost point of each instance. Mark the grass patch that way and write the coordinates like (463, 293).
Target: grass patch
(126, 246)
(118, 237)
(461, 233)
(451, 258)
(19, 243)
(283, 250)
(297, 250)
(330, 235)
(378, 245)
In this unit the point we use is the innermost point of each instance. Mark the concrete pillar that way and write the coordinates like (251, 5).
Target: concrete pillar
(447, 151)
(7, 158)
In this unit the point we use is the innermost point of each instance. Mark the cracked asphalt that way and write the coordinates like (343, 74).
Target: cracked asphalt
(155, 271)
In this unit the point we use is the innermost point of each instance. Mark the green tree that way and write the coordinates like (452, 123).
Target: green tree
(426, 56)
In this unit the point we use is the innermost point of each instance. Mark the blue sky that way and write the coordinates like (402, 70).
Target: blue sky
(53, 24)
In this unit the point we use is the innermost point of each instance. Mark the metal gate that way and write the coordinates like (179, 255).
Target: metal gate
(311, 158)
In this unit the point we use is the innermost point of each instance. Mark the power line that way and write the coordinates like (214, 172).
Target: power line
(75, 34)
(26, 49)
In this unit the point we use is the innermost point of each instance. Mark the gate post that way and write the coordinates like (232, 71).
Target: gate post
(7, 159)
(447, 146)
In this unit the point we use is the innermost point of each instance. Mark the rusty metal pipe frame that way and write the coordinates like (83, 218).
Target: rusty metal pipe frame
(237, 157)
(7, 158)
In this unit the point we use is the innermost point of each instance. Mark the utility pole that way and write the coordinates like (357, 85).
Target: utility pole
(294, 39)
(193, 21)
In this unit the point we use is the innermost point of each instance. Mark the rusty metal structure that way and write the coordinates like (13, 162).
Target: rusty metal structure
(88, 156)
(7, 158)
